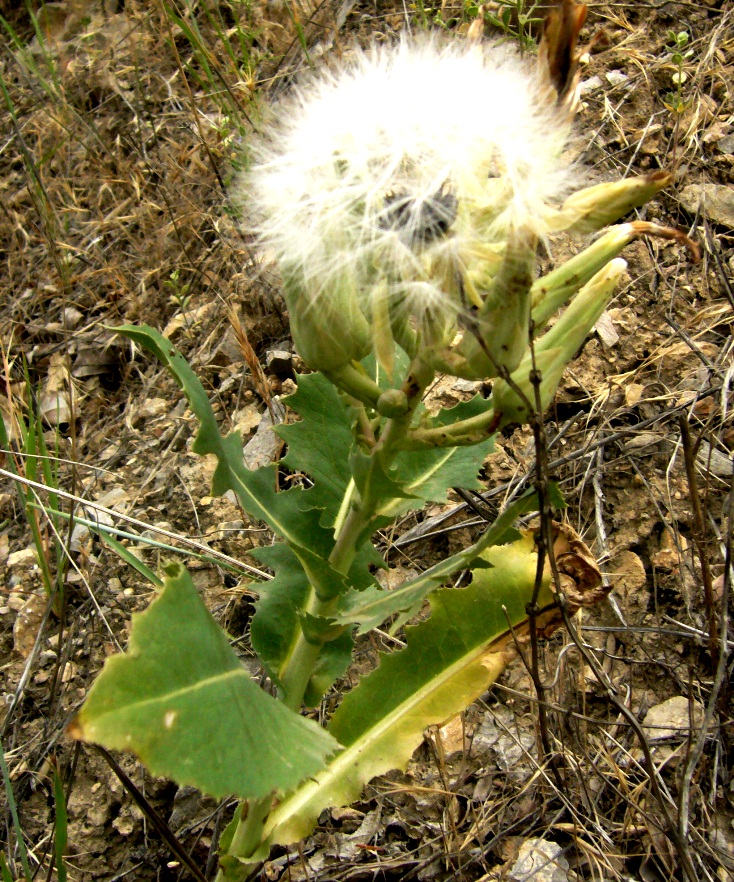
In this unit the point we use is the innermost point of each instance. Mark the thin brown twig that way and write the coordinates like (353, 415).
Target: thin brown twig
(699, 538)
(155, 819)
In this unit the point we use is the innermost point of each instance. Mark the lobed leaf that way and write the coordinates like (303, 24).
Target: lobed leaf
(254, 489)
(372, 607)
(427, 475)
(181, 700)
(319, 444)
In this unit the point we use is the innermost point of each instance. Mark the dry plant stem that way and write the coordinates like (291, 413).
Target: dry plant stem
(156, 820)
(194, 110)
(719, 697)
(299, 666)
(545, 547)
(670, 828)
(699, 538)
(183, 540)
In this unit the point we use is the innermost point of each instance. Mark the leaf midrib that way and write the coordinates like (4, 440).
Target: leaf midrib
(378, 731)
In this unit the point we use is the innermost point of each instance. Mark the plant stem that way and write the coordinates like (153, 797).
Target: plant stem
(247, 835)
(463, 433)
(304, 655)
(299, 668)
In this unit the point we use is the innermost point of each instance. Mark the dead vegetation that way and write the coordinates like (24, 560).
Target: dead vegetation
(123, 124)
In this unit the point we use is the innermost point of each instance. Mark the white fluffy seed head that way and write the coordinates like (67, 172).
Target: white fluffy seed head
(405, 161)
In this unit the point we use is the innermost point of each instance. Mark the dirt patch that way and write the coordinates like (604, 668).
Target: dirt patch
(127, 126)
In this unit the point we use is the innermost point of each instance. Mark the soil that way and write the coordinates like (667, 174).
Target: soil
(116, 161)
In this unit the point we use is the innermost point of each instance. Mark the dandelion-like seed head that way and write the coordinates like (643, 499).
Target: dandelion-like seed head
(405, 170)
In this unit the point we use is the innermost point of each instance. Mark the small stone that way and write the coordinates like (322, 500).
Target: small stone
(540, 861)
(590, 85)
(716, 201)
(468, 385)
(280, 363)
(616, 78)
(16, 601)
(263, 448)
(673, 719)
(25, 558)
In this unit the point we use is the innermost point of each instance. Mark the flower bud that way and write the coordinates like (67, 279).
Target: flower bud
(333, 333)
(497, 335)
(516, 400)
(595, 207)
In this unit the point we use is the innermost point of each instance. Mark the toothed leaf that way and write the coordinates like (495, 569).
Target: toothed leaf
(181, 700)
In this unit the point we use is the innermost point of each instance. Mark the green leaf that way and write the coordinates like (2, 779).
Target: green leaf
(7, 876)
(277, 620)
(275, 625)
(377, 373)
(427, 475)
(371, 480)
(372, 607)
(180, 699)
(450, 660)
(254, 489)
(333, 662)
(319, 444)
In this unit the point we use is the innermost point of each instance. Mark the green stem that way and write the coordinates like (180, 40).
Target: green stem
(352, 379)
(305, 653)
(463, 433)
(247, 835)
(299, 668)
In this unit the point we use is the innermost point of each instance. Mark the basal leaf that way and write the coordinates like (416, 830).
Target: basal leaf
(449, 661)
(180, 699)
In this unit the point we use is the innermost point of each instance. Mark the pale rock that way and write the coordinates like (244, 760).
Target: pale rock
(590, 85)
(540, 861)
(499, 734)
(716, 201)
(25, 558)
(672, 719)
(264, 447)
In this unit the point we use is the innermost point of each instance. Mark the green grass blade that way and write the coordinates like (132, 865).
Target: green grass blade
(7, 876)
(14, 815)
(130, 559)
(61, 824)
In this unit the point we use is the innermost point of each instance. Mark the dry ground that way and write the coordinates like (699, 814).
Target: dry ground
(119, 134)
